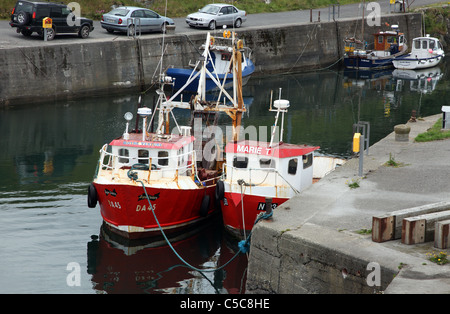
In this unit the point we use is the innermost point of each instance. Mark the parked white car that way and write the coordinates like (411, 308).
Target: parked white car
(215, 15)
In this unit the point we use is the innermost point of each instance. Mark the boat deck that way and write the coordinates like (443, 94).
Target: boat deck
(153, 178)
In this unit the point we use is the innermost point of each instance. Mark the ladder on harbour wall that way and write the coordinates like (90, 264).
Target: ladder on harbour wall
(133, 26)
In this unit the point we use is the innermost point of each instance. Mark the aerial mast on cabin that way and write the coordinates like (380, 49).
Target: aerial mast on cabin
(281, 105)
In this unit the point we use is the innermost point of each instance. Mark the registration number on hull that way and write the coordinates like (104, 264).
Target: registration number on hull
(262, 206)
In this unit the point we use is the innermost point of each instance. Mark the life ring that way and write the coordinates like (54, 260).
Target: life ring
(226, 34)
(92, 196)
(204, 208)
(220, 190)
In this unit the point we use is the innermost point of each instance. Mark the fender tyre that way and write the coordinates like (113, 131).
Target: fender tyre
(204, 208)
(220, 190)
(92, 196)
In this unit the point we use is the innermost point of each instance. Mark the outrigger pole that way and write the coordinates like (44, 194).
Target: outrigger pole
(199, 101)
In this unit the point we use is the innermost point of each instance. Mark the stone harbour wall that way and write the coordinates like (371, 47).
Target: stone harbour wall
(62, 70)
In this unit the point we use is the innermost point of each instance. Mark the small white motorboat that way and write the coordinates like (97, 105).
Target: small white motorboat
(426, 52)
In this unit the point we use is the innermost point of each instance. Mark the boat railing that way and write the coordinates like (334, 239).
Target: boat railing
(242, 175)
(110, 161)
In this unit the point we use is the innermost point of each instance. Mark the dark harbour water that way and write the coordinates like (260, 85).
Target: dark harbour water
(49, 154)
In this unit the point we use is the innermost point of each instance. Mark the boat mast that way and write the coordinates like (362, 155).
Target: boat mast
(199, 102)
(237, 66)
(362, 21)
(201, 90)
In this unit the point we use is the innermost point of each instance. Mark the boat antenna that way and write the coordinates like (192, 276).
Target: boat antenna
(144, 112)
(128, 116)
(281, 105)
(163, 37)
(362, 21)
(139, 106)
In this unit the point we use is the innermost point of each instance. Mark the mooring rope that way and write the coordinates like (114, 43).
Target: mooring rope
(244, 245)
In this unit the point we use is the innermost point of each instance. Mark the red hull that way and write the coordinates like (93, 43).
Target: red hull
(127, 212)
(253, 205)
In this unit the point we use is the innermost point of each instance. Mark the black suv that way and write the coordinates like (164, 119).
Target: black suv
(27, 16)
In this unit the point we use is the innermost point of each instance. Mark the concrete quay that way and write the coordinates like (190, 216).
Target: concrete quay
(312, 244)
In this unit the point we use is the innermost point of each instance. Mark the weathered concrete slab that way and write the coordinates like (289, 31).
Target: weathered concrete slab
(316, 259)
(424, 278)
(312, 244)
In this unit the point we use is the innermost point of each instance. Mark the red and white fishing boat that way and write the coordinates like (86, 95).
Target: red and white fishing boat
(146, 181)
(167, 166)
(259, 176)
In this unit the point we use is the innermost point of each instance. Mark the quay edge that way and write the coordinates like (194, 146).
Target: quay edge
(64, 70)
(312, 244)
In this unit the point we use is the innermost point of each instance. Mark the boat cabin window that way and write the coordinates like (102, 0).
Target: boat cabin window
(380, 39)
(240, 162)
(307, 161)
(143, 156)
(401, 39)
(392, 40)
(163, 159)
(424, 44)
(266, 163)
(417, 44)
(226, 57)
(432, 44)
(123, 153)
(180, 156)
(292, 166)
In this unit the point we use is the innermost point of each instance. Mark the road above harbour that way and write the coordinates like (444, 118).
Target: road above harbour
(9, 38)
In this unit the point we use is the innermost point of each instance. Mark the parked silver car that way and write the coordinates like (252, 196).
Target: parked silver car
(215, 15)
(130, 19)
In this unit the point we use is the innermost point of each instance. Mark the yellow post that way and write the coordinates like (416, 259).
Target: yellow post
(356, 141)
(47, 22)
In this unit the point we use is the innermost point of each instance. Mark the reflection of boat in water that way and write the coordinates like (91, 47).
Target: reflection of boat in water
(141, 266)
(426, 52)
(422, 80)
(367, 74)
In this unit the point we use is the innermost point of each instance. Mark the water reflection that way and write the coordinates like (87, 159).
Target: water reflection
(140, 267)
(422, 81)
(59, 142)
(325, 105)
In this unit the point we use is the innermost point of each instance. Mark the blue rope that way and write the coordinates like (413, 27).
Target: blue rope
(244, 245)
